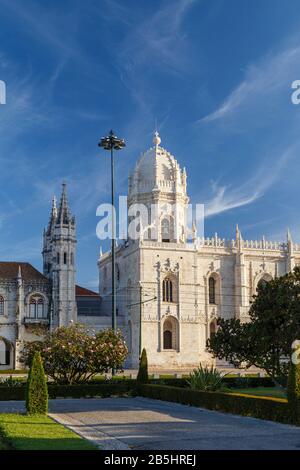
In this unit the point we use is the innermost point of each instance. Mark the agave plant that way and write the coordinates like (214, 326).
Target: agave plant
(206, 379)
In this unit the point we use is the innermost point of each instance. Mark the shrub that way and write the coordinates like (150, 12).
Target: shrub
(36, 391)
(206, 379)
(293, 389)
(142, 376)
(74, 354)
(273, 409)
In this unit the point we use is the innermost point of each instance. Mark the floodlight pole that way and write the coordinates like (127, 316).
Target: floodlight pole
(112, 142)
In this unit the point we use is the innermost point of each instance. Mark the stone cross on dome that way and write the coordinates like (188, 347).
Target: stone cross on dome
(156, 139)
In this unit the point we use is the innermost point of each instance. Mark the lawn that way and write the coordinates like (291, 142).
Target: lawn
(260, 391)
(23, 432)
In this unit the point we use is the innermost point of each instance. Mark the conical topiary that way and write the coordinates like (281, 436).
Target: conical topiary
(142, 376)
(36, 390)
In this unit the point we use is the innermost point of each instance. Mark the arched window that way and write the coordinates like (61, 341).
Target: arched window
(5, 349)
(65, 258)
(57, 258)
(167, 290)
(264, 281)
(37, 308)
(1, 305)
(212, 290)
(170, 333)
(167, 339)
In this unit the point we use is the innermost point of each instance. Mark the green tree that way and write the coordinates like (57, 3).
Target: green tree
(36, 390)
(142, 376)
(274, 325)
(293, 388)
(75, 354)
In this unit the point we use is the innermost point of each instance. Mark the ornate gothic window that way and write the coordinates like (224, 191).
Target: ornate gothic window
(65, 258)
(167, 290)
(264, 280)
(212, 290)
(1, 305)
(167, 339)
(37, 308)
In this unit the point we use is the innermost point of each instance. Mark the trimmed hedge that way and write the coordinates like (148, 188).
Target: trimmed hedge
(230, 382)
(272, 409)
(103, 390)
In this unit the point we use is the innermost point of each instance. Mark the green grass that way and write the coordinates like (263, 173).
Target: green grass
(259, 391)
(23, 432)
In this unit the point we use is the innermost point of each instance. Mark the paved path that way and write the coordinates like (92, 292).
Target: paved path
(140, 423)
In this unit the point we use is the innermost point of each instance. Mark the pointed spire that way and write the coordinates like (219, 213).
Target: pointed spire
(53, 216)
(101, 252)
(64, 216)
(54, 208)
(289, 236)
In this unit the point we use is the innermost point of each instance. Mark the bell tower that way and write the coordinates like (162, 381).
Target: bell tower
(59, 253)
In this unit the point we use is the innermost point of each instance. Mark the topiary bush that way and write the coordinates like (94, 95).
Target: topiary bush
(142, 376)
(293, 389)
(36, 389)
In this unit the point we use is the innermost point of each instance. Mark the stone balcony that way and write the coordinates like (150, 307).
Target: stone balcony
(36, 321)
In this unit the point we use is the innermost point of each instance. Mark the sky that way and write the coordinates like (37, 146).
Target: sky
(214, 76)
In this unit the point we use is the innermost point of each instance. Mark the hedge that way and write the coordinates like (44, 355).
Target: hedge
(231, 382)
(72, 391)
(272, 409)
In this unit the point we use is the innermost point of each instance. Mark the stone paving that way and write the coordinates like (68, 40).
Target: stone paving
(141, 423)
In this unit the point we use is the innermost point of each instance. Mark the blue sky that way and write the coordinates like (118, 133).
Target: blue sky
(216, 76)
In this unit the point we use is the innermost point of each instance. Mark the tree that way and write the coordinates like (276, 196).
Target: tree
(74, 354)
(142, 376)
(36, 389)
(265, 341)
(293, 385)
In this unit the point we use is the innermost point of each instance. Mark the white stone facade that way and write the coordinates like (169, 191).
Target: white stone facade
(31, 303)
(170, 291)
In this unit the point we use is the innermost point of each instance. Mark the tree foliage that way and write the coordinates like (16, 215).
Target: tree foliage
(142, 376)
(36, 389)
(75, 354)
(265, 341)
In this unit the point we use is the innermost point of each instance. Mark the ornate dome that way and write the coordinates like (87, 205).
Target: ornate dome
(157, 170)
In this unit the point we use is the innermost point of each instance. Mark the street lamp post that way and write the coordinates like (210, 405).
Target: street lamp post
(112, 142)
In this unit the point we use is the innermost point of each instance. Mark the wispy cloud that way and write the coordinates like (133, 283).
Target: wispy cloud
(267, 78)
(226, 197)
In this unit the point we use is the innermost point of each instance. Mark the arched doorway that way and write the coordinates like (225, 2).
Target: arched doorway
(6, 352)
(170, 333)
